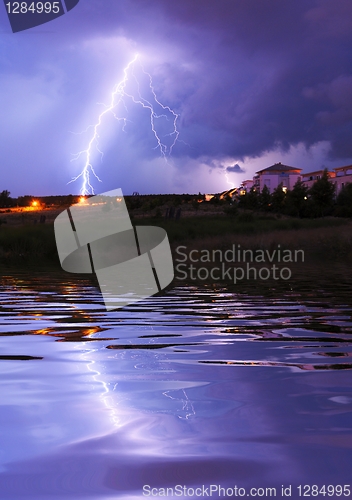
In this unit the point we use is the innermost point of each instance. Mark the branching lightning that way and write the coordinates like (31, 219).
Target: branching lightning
(119, 98)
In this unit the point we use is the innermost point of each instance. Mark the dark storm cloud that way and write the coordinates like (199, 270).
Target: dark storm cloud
(245, 77)
(236, 169)
(255, 63)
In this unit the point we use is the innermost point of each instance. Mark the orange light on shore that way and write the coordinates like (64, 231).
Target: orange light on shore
(35, 203)
(82, 199)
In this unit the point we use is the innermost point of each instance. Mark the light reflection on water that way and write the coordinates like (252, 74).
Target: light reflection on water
(199, 385)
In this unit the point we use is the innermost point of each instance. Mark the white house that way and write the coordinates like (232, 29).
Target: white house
(340, 177)
(343, 175)
(311, 177)
(288, 176)
(277, 174)
(246, 186)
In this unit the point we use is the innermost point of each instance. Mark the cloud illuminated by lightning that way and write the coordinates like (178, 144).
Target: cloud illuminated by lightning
(119, 98)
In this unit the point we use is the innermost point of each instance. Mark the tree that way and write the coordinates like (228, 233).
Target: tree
(5, 200)
(249, 200)
(265, 199)
(278, 199)
(231, 209)
(297, 200)
(322, 194)
(344, 202)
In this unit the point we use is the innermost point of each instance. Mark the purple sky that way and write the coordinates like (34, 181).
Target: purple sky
(254, 82)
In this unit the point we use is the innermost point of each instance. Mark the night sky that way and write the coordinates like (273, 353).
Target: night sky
(254, 82)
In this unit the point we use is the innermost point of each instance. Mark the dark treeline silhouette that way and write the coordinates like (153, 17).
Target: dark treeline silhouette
(5, 200)
(25, 201)
(318, 201)
(147, 202)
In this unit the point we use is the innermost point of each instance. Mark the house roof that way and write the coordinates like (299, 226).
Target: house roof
(279, 167)
(330, 174)
(343, 168)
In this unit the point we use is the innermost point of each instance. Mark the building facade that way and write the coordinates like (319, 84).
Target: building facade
(343, 175)
(340, 177)
(246, 186)
(311, 177)
(277, 174)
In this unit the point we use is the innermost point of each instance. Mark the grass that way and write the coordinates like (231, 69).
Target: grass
(325, 239)
(324, 244)
(28, 245)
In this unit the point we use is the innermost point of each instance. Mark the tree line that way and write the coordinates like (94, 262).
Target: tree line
(318, 201)
(24, 201)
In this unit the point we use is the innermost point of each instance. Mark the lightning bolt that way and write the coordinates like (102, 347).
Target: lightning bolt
(226, 174)
(119, 98)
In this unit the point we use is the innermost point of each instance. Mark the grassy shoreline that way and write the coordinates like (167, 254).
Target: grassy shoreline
(325, 239)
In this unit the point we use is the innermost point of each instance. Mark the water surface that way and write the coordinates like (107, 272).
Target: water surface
(200, 385)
